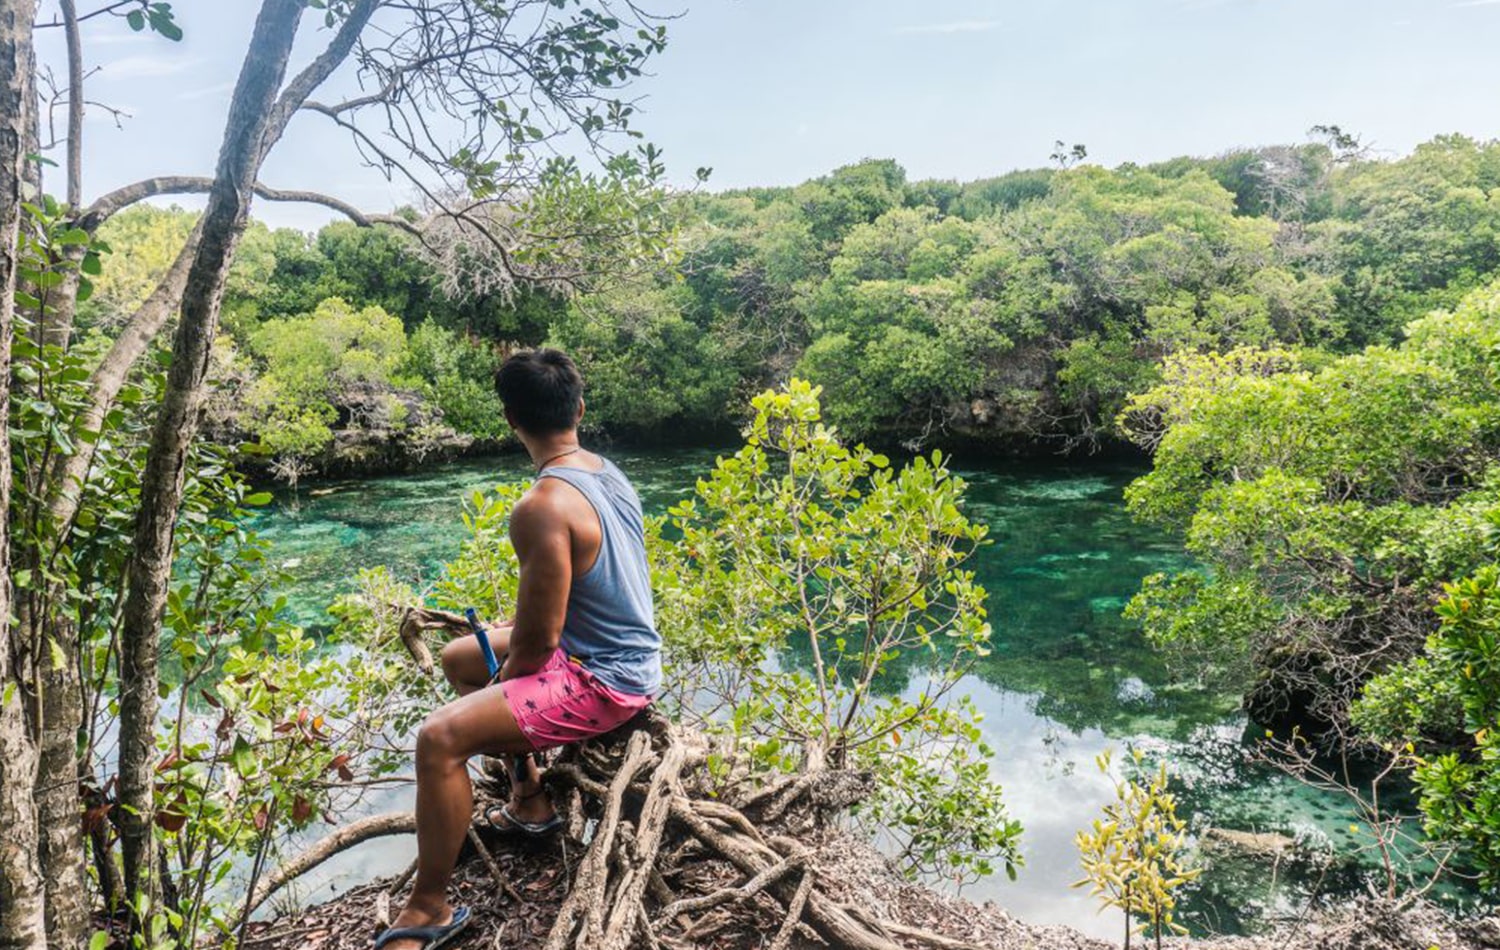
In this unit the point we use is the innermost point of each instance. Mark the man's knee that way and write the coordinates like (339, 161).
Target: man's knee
(437, 740)
(452, 658)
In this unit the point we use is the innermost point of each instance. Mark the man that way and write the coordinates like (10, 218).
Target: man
(582, 654)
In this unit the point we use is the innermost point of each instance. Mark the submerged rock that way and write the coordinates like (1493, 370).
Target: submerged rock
(1261, 845)
(1133, 691)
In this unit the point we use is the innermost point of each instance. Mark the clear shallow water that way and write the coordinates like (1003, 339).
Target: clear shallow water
(1068, 677)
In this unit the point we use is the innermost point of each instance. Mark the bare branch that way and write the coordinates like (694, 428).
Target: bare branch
(108, 8)
(287, 104)
(75, 103)
(346, 837)
(112, 203)
(316, 72)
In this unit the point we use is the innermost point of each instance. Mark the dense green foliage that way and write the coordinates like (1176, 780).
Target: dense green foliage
(1413, 235)
(647, 360)
(1033, 304)
(1328, 500)
(310, 361)
(346, 330)
(1444, 706)
(1020, 307)
(1332, 502)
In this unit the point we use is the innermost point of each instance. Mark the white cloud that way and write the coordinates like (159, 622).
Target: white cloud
(1475, 3)
(119, 39)
(205, 92)
(145, 67)
(958, 26)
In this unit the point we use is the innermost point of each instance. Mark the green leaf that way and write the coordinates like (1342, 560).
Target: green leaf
(161, 21)
(136, 19)
(242, 756)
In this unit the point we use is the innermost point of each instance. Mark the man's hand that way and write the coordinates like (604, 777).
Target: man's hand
(509, 670)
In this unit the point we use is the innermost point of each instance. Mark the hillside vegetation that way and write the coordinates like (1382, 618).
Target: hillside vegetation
(1019, 311)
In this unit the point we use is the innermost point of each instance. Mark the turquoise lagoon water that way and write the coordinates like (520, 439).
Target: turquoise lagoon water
(1068, 678)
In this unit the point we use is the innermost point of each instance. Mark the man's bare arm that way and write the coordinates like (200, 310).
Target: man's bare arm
(539, 532)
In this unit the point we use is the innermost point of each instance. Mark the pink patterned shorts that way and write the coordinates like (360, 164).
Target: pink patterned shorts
(563, 703)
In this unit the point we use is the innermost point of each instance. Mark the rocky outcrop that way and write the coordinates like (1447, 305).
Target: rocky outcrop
(1022, 411)
(385, 430)
(379, 430)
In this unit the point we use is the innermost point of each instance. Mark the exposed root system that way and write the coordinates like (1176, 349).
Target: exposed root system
(655, 855)
(658, 856)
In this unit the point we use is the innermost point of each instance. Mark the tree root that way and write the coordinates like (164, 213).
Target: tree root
(665, 860)
(648, 833)
(758, 883)
(794, 909)
(346, 837)
(414, 620)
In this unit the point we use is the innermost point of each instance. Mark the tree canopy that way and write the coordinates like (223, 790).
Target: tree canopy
(1022, 308)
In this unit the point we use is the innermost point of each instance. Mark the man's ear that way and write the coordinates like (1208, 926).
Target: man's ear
(582, 405)
(510, 419)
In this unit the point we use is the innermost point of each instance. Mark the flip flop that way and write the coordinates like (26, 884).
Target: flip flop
(510, 824)
(432, 937)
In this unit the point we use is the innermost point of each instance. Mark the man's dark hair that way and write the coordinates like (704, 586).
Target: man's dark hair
(542, 389)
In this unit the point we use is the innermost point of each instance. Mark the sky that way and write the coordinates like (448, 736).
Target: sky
(774, 92)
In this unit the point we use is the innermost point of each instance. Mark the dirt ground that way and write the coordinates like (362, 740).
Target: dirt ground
(516, 913)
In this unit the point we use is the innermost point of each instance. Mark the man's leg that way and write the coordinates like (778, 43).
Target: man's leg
(527, 799)
(479, 723)
(464, 666)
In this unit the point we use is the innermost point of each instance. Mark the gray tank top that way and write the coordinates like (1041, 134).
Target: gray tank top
(610, 625)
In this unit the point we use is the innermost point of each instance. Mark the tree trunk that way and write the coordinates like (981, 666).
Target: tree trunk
(176, 425)
(59, 806)
(58, 326)
(22, 894)
(69, 472)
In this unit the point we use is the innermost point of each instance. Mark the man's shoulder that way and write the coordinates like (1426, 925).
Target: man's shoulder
(551, 504)
(546, 498)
